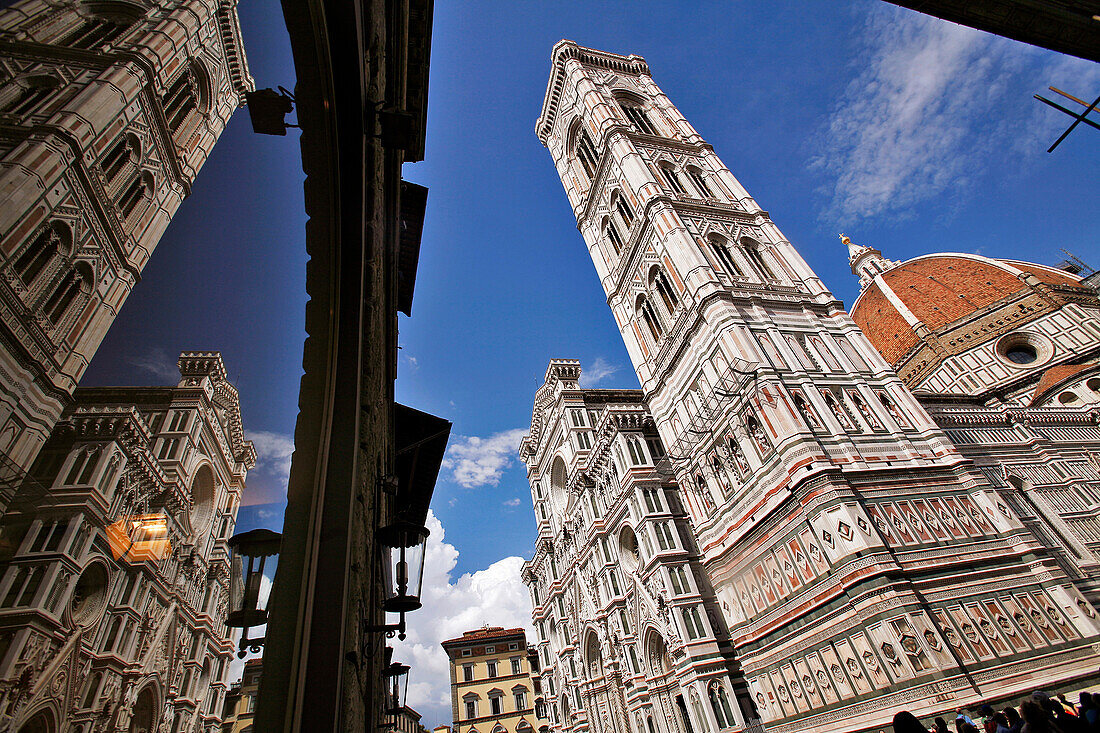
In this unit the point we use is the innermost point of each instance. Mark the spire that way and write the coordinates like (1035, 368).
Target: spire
(866, 262)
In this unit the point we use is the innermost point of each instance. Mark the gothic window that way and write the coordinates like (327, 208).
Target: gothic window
(696, 177)
(625, 213)
(138, 190)
(720, 703)
(637, 116)
(659, 282)
(49, 536)
(26, 95)
(637, 454)
(584, 440)
(577, 418)
(95, 33)
(672, 181)
(76, 282)
(693, 624)
(721, 250)
(751, 248)
(653, 501)
(125, 153)
(52, 242)
(664, 536)
(649, 317)
(92, 695)
(83, 465)
(187, 98)
(678, 576)
(612, 233)
(586, 153)
(655, 448)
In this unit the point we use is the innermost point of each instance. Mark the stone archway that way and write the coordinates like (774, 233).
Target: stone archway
(144, 715)
(42, 722)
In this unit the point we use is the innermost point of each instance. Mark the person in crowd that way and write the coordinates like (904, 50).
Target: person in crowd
(1090, 712)
(906, 722)
(999, 721)
(940, 726)
(1066, 722)
(961, 717)
(1036, 719)
(1070, 707)
(1015, 722)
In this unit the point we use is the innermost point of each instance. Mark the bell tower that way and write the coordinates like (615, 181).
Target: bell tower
(855, 553)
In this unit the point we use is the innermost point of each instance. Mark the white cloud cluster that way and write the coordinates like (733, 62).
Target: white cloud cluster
(494, 596)
(932, 101)
(475, 461)
(273, 453)
(597, 371)
(156, 361)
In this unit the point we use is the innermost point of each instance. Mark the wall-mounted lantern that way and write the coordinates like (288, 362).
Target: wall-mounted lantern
(255, 547)
(407, 542)
(397, 682)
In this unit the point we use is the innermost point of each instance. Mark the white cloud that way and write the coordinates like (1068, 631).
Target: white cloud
(494, 596)
(597, 371)
(157, 362)
(273, 453)
(476, 461)
(236, 667)
(513, 502)
(932, 102)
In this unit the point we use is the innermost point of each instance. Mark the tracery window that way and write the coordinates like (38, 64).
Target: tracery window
(95, 33)
(697, 180)
(751, 248)
(661, 285)
(586, 153)
(649, 317)
(613, 236)
(26, 95)
(136, 191)
(693, 624)
(637, 116)
(52, 242)
(720, 703)
(672, 181)
(722, 253)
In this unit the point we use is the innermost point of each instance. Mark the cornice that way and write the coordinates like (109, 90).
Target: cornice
(565, 50)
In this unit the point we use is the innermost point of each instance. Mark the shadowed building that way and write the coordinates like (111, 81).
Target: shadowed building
(107, 112)
(117, 577)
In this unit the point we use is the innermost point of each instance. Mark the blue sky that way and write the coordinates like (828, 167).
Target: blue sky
(905, 132)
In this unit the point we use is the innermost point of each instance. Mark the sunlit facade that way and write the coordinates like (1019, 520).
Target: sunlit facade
(897, 507)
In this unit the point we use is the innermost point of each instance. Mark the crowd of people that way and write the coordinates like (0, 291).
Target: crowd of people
(1041, 713)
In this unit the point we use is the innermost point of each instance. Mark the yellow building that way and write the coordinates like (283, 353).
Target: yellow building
(492, 690)
(240, 703)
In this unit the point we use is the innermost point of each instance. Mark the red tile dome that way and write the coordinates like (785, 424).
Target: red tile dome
(938, 290)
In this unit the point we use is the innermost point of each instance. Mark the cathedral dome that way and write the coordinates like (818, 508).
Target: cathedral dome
(929, 294)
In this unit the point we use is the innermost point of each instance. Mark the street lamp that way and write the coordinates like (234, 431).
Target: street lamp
(256, 546)
(409, 540)
(397, 675)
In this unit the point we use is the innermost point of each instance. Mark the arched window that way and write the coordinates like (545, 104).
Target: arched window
(586, 152)
(187, 97)
(92, 695)
(124, 154)
(76, 282)
(751, 248)
(672, 181)
(53, 241)
(613, 236)
(95, 33)
(696, 177)
(622, 208)
(636, 113)
(720, 703)
(649, 316)
(137, 191)
(26, 95)
(719, 475)
(659, 282)
(722, 253)
(637, 455)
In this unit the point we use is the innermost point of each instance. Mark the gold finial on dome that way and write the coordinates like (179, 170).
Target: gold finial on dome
(844, 239)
